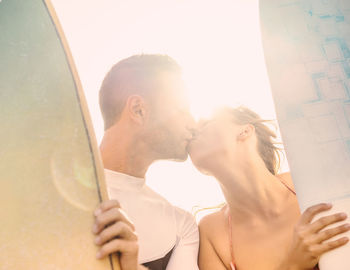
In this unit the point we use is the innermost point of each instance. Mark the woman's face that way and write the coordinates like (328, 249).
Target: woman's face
(215, 141)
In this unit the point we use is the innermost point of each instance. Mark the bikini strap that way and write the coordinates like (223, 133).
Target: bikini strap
(290, 189)
(232, 264)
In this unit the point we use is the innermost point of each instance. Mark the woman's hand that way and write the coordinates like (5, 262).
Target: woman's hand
(309, 238)
(115, 233)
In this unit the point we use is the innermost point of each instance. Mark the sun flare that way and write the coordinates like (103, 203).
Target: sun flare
(217, 44)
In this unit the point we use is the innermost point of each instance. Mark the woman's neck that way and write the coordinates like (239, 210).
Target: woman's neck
(252, 192)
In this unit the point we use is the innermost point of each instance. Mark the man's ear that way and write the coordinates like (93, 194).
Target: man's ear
(136, 108)
(246, 132)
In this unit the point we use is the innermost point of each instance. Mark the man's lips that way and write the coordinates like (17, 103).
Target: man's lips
(191, 141)
(193, 136)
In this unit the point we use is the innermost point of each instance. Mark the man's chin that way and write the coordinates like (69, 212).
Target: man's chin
(180, 158)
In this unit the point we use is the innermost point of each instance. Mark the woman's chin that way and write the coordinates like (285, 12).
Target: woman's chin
(198, 165)
(205, 172)
(198, 158)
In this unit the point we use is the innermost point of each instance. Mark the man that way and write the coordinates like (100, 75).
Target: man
(146, 118)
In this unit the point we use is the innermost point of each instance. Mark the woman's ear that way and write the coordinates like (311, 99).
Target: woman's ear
(246, 132)
(136, 109)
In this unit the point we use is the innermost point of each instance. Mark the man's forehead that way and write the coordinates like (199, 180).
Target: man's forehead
(171, 79)
(172, 86)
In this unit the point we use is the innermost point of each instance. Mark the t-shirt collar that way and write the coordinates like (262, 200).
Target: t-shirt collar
(118, 180)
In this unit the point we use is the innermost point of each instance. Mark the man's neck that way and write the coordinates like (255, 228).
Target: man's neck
(120, 152)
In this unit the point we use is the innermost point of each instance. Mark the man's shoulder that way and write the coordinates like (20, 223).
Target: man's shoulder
(180, 213)
(186, 225)
(149, 191)
(184, 215)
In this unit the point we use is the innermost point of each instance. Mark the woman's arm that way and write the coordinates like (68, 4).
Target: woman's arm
(208, 258)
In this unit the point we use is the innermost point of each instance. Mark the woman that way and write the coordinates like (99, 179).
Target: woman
(260, 227)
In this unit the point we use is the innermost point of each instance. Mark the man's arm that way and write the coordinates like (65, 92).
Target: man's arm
(185, 254)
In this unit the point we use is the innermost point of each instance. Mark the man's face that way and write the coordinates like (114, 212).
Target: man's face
(170, 124)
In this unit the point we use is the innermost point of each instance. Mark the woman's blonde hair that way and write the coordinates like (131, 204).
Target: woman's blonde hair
(267, 144)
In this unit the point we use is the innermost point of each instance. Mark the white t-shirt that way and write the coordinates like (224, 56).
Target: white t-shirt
(161, 227)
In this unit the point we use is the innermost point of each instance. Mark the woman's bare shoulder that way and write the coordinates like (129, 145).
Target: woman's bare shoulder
(212, 222)
(213, 230)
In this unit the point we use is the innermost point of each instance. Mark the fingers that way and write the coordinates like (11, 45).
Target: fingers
(118, 245)
(328, 234)
(326, 221)
(115, 232)
(312, 211)
(106, 205)
(324, 247)
(119, 229)
(108, 213)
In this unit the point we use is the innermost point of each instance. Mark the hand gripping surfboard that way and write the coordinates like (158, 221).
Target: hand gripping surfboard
(307, 52)
(51, 176)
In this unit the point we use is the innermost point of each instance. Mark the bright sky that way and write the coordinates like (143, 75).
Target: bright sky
(216, 42)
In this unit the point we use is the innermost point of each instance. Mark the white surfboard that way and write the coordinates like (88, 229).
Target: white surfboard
(307, 51)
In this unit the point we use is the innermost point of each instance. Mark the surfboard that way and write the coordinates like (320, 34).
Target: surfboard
(51, 175)
(307, 52)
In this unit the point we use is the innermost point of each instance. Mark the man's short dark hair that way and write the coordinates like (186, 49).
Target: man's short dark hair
(134, 75)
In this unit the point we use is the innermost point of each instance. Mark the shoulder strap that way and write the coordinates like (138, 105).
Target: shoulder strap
(232, 264)
(290, 189)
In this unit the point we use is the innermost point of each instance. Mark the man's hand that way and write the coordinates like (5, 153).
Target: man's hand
(116, 233)
(308, 241)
